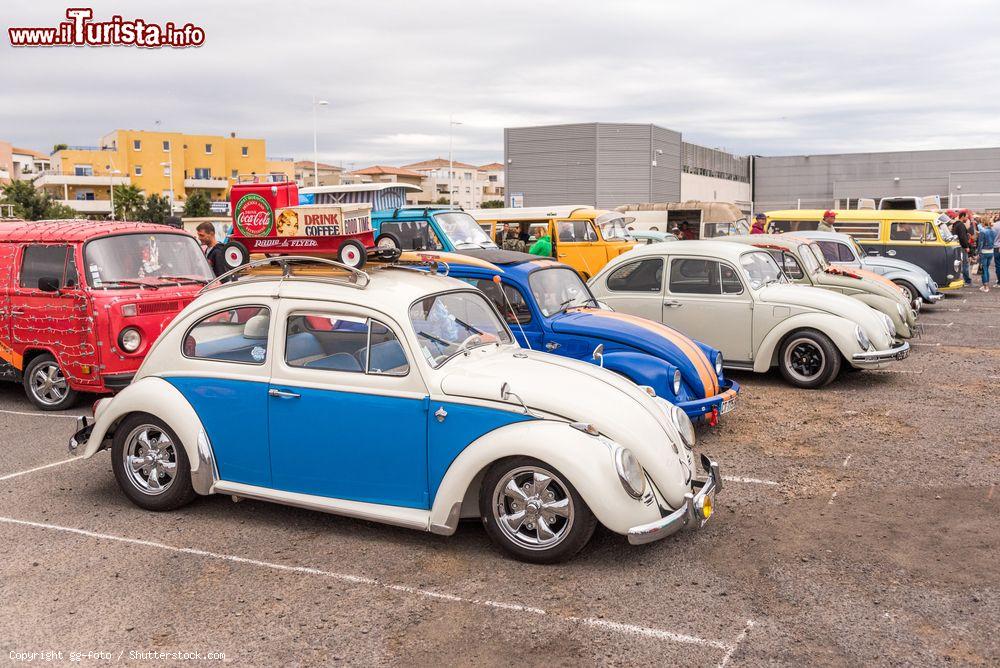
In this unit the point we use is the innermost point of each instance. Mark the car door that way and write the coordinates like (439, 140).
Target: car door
(636, 288)
(347, 414)
(706, 299)
(578, 245)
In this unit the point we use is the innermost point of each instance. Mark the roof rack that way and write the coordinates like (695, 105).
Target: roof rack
(426, 208)
(283, 266)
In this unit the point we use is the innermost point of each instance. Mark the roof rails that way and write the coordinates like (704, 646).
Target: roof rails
(283, 266)
(426, 208)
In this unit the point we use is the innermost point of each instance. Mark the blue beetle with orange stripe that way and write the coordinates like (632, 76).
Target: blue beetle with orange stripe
(550, 308)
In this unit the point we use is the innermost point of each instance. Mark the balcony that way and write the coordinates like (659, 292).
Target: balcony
(56, 178)
(208, 184)
(87, 205)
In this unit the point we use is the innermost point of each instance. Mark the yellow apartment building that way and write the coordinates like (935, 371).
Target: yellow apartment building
(172, 164)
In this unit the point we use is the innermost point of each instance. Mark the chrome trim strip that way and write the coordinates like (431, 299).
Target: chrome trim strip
(685, 516)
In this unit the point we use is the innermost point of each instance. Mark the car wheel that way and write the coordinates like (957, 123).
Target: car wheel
(809, 360)
(150, 464)
(909, 291)
(235, 254)
(353, 254)
(46, 385)
(533, 512)
(387, 242)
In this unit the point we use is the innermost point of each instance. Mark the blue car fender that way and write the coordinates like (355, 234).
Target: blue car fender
(643, 369)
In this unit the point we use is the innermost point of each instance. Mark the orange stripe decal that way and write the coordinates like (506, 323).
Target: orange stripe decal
(8, 354)
(706, 372)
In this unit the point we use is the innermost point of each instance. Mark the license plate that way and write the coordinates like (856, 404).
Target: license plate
(728, 405)
(903, 354)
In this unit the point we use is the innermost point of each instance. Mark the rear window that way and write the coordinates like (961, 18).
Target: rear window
(45, 262)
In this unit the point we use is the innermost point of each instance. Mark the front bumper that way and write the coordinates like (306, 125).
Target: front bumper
(719, 404)
(78, 441)
(898, 352)
(934, 298)
(118, 381)
(954, 285)
(691, 514)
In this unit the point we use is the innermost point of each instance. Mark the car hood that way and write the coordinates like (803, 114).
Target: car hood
(582, 392)
(893, 263)
(828, 301)
(695, 361)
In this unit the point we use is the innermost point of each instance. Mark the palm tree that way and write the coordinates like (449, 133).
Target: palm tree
(129, 201)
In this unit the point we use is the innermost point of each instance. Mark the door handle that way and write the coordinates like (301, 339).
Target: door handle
(873, 252)
(440, 414)
(672, 303)
(283, 394)
(890, 253)
(562, 254)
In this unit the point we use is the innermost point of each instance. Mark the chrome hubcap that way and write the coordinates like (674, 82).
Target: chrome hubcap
(49, 384)
(804, 359)
(387, 243)
(150, 460)
(533, 508)
(907, 293)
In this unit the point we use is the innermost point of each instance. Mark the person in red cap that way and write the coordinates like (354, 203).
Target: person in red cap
(826, 225)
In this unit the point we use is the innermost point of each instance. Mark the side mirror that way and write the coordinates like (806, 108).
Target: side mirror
(48, 284)
(598, 355)
(505, 391)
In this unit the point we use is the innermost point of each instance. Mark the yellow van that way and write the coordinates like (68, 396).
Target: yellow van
(921, 237)
(583, 237)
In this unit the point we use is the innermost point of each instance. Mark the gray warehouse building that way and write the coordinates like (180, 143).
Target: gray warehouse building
(610, 164)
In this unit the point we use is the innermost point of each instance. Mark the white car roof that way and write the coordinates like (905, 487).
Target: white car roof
(816, 234)
(720, 249)
(528, 213)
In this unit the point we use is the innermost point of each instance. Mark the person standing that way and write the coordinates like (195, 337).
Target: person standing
(984, 244)
(214, 252)
(996, 246)
(826, 225)
(961, 231)
(542, 247)
(759, 222)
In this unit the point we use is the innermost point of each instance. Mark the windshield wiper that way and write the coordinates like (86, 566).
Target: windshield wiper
(128, 282)
(178, 279)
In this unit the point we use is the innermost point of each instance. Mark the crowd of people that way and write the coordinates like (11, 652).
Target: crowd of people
(979, 237)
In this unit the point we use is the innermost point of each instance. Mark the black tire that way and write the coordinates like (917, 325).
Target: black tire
(573, 531)
(177, 492)
(235, 254)
(388, 238)
(808, 359)
(46, 385)
(914, 294)
(352, 253)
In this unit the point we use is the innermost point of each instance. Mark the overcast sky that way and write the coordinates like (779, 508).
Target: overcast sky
(752, 76)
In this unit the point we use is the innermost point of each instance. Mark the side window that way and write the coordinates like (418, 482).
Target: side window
(731, 283)
(412, 234)
(643, 276)
(343, 343)
(910, 232)
(788, 264)
(576, 231)
(844, 253)
(835, 252)
(694, 276)
(234, 335)
(43, 262)
(507, 298)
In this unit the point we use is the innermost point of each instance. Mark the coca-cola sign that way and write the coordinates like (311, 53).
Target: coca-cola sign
(253, 216)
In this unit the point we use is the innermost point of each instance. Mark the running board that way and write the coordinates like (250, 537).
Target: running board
(411, 518)
(739, 366)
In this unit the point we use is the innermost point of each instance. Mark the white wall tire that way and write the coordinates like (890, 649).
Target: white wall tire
(353, 254)
(235, 254)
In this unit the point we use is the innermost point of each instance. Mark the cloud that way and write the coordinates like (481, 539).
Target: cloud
(763, 77)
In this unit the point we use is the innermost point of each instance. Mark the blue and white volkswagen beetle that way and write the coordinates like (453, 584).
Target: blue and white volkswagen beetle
(549, 307)
(397, 396)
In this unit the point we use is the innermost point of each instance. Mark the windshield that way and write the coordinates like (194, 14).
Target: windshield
(944, 228)
(859, 251)
(761, 269)
(463, 230)
(450, 323)
(559, 289)
(614, 229)
(145, 259)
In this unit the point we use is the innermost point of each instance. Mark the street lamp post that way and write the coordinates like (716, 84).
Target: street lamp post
(316, 105)
(112, 172)
(451, 163)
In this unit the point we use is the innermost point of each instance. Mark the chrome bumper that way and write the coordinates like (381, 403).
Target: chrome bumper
(82, 434)
(897, 352)
(690, 513)
(935, 297)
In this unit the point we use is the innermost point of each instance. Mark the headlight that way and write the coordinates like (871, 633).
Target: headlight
(630, 473)
(684, 426)
(718, 364)
(930, 284)
(862, 338)
(129, 340)
(889, 325)
(677, 382)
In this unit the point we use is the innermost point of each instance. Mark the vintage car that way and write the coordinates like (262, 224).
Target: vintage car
(842, 249)
(804, 263)
(81, 301)
(650, 236)
(734, 297)
(428, 228)
(583, 237)
(548, 307)
(921, 237)
(396, 396)
(694, 218)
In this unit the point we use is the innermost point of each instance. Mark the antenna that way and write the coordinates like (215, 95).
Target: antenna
(496, 279)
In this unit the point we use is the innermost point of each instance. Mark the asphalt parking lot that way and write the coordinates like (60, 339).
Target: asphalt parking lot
(859, 525)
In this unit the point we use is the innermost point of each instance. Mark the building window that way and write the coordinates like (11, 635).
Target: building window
(234, 174)
(245, 151)
(202, 173)
(166, 171)
(138, 170)
(83, 170)
(166, 145)
(136, 145)
(208, 149)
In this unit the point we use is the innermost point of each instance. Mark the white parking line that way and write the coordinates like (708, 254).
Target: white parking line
(736, 643)
(931, 345)
(37, 414)
(37, 468)
(936, 324)
(618, 627)
(832, 497)
(896, 371)
(750, 481)
(846, 459)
